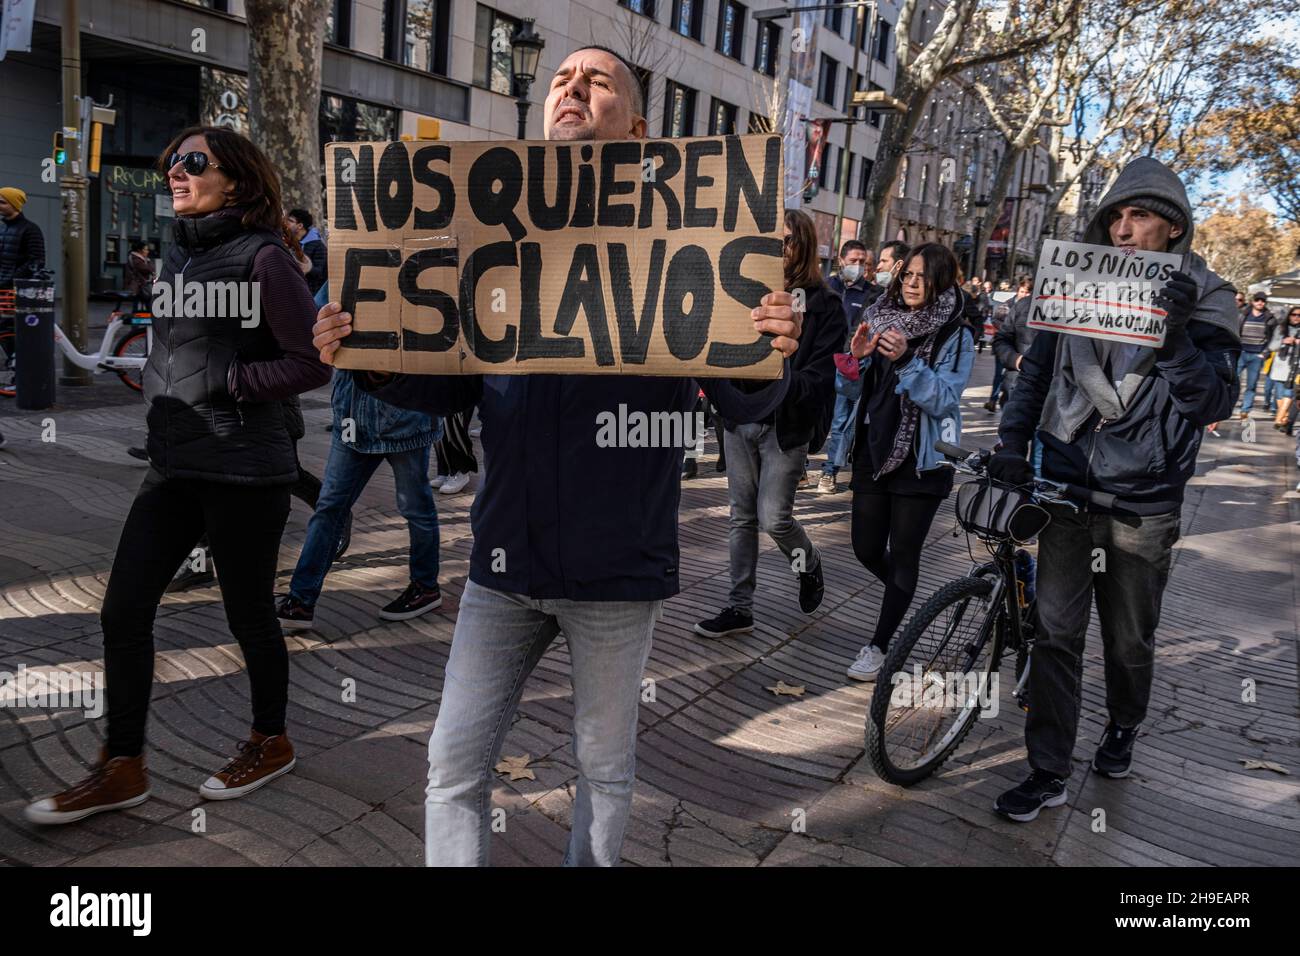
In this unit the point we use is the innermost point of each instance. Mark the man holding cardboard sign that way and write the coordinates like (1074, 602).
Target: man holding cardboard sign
(574, 532)
(1135, 353)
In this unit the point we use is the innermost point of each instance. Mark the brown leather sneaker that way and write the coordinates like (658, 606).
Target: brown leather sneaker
(261, 759)
(112, 785)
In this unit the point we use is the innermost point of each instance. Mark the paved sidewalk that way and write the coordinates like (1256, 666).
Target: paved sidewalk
(726, 769)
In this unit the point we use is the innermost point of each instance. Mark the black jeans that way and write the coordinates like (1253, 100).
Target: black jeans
(1124, 561)
(888, 533)
(167, 518)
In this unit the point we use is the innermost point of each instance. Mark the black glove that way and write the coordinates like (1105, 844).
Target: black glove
(1010, 468)
(1178, 299)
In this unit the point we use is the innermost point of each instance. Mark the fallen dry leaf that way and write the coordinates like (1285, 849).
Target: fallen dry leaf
(516, 767)
(1265, 765)
(782, 689)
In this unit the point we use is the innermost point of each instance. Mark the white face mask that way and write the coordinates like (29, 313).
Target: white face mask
(884, 278)
(851, 272)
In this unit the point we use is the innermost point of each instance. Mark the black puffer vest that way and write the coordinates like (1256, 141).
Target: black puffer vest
(196, 428)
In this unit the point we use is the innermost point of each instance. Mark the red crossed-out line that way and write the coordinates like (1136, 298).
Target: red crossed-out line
(1118, 305)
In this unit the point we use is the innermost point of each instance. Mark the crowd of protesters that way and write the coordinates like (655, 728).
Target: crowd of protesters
(876, 363)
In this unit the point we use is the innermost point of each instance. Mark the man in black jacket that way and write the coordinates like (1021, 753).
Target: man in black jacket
(569, 535)
(1123, 420)
(22, 246)
(302, 225)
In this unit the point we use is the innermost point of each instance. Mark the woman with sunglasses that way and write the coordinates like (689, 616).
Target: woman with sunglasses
(917, 355)
(222, 462)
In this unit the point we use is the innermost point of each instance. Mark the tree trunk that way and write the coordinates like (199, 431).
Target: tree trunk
(1001, 186)
(894, 139)
(285, 43)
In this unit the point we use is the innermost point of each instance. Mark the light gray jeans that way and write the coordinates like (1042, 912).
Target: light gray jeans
(499, 639)
(761, 481)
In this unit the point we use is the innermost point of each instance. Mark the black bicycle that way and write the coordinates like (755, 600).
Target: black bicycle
(941, 671)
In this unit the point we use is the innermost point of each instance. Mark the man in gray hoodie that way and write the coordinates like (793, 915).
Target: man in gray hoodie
(1123, 421)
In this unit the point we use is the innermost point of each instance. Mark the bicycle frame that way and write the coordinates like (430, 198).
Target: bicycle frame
(102, 360)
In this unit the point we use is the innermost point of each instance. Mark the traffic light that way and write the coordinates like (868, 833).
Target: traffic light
(60, 152)
(100, 117)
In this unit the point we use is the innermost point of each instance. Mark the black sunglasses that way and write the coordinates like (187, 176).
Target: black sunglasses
(194, 163)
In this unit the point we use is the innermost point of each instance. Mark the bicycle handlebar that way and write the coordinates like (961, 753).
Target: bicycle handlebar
(1092, 496)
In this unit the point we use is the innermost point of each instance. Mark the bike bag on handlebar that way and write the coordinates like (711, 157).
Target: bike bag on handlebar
(991, 509)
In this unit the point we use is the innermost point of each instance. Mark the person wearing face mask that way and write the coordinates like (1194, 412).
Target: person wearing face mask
(918, 356)
(222, 463)
(856, 289)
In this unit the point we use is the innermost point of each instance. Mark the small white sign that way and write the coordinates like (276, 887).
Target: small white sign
(1101, 292)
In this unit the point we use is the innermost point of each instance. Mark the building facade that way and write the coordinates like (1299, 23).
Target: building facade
(707, 66)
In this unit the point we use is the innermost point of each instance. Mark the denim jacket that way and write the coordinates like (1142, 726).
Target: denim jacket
(936, 390)
(380, 428)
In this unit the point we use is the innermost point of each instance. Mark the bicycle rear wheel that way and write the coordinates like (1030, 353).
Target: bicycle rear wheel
(8, 370)
(135, 344)
(928, 691)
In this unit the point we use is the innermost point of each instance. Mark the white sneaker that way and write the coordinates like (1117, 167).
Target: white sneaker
(867, 666)
(437, 481)
(455, 484)
(826, 485)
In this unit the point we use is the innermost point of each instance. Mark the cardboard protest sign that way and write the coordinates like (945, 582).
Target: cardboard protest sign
(639, 257)
(1101, 292)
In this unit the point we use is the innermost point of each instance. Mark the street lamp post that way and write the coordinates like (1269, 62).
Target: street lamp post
(856, 35)
(980, 205)
(525, 51)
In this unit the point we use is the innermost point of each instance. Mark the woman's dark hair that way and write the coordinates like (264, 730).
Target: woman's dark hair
(256, 185)
(939, 268)
(802, 270)
(138, 245)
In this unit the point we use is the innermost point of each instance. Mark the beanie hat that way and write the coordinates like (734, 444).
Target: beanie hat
(1161, 207)
(14, 197)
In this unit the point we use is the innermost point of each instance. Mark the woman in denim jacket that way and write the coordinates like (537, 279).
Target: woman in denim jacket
(918, 357)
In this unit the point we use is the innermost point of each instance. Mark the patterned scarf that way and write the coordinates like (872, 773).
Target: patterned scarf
(914, 324)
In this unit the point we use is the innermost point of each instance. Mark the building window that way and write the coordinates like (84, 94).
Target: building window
(827, 80)
(767, 48)
(864, 177)
(722, 118)
(644, 7)
(343, 119)
(731, 28)
(902, 179)
(873, 116)
(492, 66)
(853, 82)
(839, 167)
(758, 123)
(824, 167)
(338, 23)
(427, 35)
(679, 110)
(834, 19)
(688, 18)
(925, 182)
(882, 41)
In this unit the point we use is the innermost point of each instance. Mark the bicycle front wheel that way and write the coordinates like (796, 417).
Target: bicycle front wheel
(8, 366)
(935, 676)
(135, 345)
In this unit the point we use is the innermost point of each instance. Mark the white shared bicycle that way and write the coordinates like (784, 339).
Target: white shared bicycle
(123, 350)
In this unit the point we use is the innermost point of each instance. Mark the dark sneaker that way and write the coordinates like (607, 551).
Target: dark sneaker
(731, 621)
(138, 453)
(345, 538)
(188, 578)
(690, 468)
(811, 589)
(261, 759)
(1022, 804)
(721, 465)
(293, 614)
(112, 785)
(414, 601)
(1115, 754)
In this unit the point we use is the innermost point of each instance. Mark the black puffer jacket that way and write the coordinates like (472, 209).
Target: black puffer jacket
(22, 249)
(196, 427)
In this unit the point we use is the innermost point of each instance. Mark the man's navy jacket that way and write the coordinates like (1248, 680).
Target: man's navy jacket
(558, 516)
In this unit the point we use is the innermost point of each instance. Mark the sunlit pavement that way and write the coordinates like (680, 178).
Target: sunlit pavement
(728, 772)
